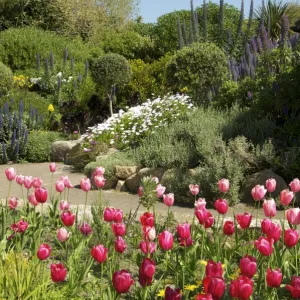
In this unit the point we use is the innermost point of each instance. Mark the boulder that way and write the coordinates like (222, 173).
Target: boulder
(134, 181)
(73, 155)
(121, 186)
(60, 149)
(260, 178)
(124, 172)
(110, 184)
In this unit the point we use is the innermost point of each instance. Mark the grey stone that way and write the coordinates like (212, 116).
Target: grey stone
(121, 186)
(60, 149)
(110, 184)
(133, 182)
(124, 172)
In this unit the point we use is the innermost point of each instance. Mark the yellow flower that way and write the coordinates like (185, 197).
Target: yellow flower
(203, 262)
(51, 108)
(190, 287)
(199, 282)
(161, 293)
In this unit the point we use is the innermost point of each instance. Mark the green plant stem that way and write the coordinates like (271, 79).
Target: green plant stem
(85, 202)
(101, 276)
(202, 243)
(51, 187)
(183, 268)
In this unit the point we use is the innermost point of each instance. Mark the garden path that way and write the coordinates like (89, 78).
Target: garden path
(124, 201)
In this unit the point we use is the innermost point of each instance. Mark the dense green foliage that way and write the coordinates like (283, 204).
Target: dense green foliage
(6, 79)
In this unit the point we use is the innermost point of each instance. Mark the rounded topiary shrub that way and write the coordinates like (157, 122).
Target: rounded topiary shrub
(198, 67)
(6, 79)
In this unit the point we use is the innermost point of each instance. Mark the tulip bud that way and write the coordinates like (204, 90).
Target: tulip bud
(99, 171)
(37, 182)
(293, 215)
(62, 234)
(248, 266)
(228, 228)
(99, 253)
(241, 288)
(67, 218)
(28, 182)
(52, 167)
(32, 200)
(85, 229)
(258, 192)
(168, 199)
(184, 231)
(291, 238)
(264, 245)
(149, 233)
(147, 247)
(146, 272)
(41, 195)
(58, 272)
(85, 184)
(99, 181)
(194, 189)
(295, 185)
(122, 281)
(44, 251)
(64, 205)
(160, 191)
(269, 208)
(294, 287)
(66, 182)
(214, 286)
(20, 179)
(244, 220)
(271, 185)
(200, 203)
(13, 203)
(274, 278)
(119, 229)
(118, 216)
(166, 240)
(286, 197)
(59, 186)
(141, 191)
(221, 206)
(108, 214)
(223, 185)
(120, 245)
(10, 174)
(147, 219)
(213, 269)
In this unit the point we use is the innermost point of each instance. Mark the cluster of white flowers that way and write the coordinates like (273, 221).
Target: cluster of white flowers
(126, 128)
(60, 75)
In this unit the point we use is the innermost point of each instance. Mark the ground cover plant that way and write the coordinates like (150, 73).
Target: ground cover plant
(57, 252)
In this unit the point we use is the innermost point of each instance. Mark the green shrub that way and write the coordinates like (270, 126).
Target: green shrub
(227, 95)
(109, 163)
(19, 47)
(197, 67)
(6, 79)
(39, 145)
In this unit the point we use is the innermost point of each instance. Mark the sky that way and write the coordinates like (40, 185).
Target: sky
(151, 9)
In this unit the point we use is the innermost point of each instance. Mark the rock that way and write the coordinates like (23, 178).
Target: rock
(260, 178)
(133, 182)
(110, 184)
(124, 172)
(121, 186)
(60, 149)
(73, 155)
(109, 152)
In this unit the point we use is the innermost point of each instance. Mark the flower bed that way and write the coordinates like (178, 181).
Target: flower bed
(54, 254)
(126, 129)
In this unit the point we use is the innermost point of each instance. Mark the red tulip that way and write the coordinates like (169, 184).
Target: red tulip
(269, 208)
(20, 179)
(248, 266)
(118, 216)
(241, 288)
(85, 184)
(168, 199)
(274, 278)
(223, 185)
(166, 240)
(258, 192)
(119, 229)
(64, 205)
(120, 245)
(160, 191)
(32, 200)
(294, 288)
(99, 171)
(172, 294)
(147, 219)
(147, 247)
(146, 272)
(99, 253)
(13, 203)
(86, 229)
(291, 238)
(58, 272)
(214, 269)
(62, 234)
(209, 220)
(204, 297)
(28, 182)
(109, 214)
(122, 281)
(41, 195)
(214, 286)
(295, 185)
(194, 189)
(59, 186)
(67, 218)
(52, 167)
(10, 174)
(184, 231)
(37, 182)
(293, 215)
(286, 197)
(99, 181)
(149, 233)
(20, 227)
(228, 228)
(264, 245)
(44, 251)
(221, 206)
(271, 185)
(244, 220)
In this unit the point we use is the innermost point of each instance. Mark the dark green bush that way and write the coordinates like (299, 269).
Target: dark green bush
(6, 79)
(39, 145)
(197, 67)
(227, 95)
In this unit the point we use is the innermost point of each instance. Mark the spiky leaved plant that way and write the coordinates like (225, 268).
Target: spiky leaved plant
(184, 33)
(239, 28)
(181, 42)
(221, 16)
(250, 19)
(204, 21)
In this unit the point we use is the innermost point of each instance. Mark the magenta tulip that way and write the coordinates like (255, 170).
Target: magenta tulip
(19, 227)
(66, 182)
(184, 231)
(295, 185)
(147, 247)
(293, 215)
(28, 182)
(168, 199)
(200, 203)
(64, 205)
(241, 288)
(85, 229)
(146, 272)
(119, 229)
(258, 192)
(271, 230)
(59, 186)
(294, 287)
(43, 252)
(291, 238)
(58, 272)
(228, 228)
(108, 214)
(99, 181)
(248, 266)
(214, 269)
(67, 218)
(99, 171)
(99, 253)
(264, 245)
(172, 294)
(32, 200)
(274, 278)
(37, 182)
(286, 197)
(214, 286)
(20, 179)
(41, 195)
(147, 219)
(118, 216)
(166, 240)
(149, 233)
(244, 220)
(221, 206)
(120, 245)
(122, 281)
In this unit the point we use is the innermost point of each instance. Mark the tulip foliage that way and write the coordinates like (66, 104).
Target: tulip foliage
(56, 252)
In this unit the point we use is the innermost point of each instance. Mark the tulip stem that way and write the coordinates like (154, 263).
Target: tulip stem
(51, 199)
(101, 276)
(296, 255)
(85, 202)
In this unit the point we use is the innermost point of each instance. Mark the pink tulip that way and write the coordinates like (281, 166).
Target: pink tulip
(120, 245)
(147, 247)
(293, 215)
(295, 185)
(37, 182)
(258, 192)
(223, 185)
(147, 219)
(32, 200)
(214, 269)
(122, 281)
(62, 234)
(221, 206)
(99, 253)
(184, 231)
(244, 220)
(141, 191)
(118, 216)
(52, 167)
(66, 181)
(168, 199)
(99, 171)
(200, 203)
(59, 186)
(286, 197)
(264, 245)
(119, 229)
(67, 218)
(241, 288)
(149, 233)
(294, 287)
(160, 191)
(201, 214)
(64, 205)
(291, 238)
(20, 179)
(86, 229)
(269, 208)
(44, 251)
(248, 266)
(209, 220)
(109, 214)
(194, 189)
(58, 272)
(41, 195)
(28, 182)
(155, 179)
(166, 240)
(10, 174)
(271, 185)
(13, 203)
(85, 184)
(274, 278)
(271, 230)
(99, 181)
